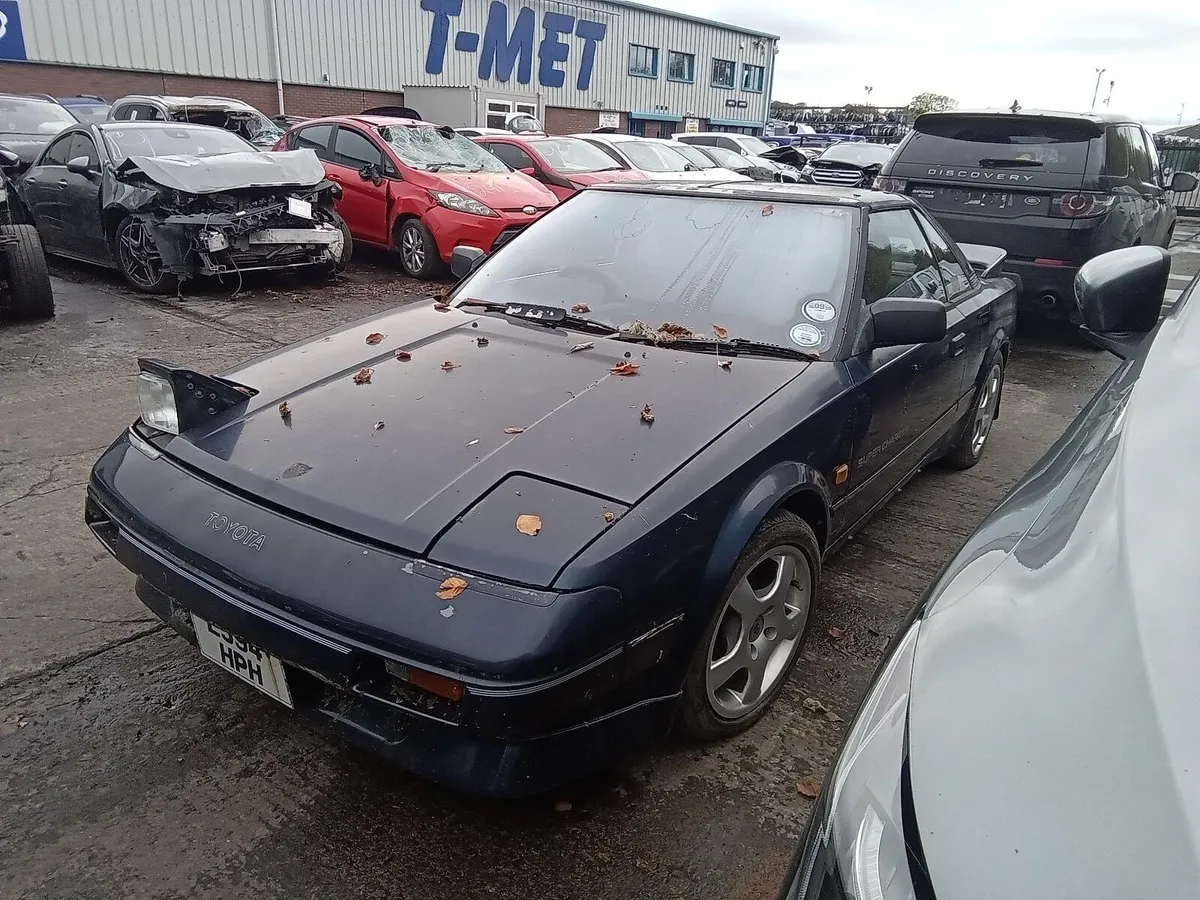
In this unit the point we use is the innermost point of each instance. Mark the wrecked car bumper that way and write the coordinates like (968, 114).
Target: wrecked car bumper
(219, 252)
(452, 228)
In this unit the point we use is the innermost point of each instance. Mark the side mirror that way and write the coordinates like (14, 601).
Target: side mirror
(528, 170)
(898, 321)
(464, 260)
(370, 172)
(79, 165)
(984, 260)
(1120, 296)
(8, 159)
(1182, 182)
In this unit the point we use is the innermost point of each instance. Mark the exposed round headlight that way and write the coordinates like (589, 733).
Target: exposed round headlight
(156, 400)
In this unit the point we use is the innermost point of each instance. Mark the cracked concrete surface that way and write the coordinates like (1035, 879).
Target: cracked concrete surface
(130, 767)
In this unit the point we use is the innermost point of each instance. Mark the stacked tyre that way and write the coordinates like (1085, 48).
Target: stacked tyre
(25, 291)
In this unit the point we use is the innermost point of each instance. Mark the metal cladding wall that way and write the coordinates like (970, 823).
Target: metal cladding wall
(385, 45)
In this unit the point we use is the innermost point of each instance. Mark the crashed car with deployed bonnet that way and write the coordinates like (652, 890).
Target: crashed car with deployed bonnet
(506, 536)
(163, 202)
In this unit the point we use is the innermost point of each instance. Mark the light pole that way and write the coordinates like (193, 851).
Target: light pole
(1096, 92)
(1108, 99)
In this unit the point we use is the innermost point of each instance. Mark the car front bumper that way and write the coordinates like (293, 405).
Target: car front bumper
(510, 735)
(452, 228)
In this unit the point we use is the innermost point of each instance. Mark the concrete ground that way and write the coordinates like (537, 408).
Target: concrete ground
(132, 768)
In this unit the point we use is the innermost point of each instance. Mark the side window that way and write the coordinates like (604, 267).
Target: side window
(1155, 163)
(957, 275)
(1139, 156)
(900, 262)
(1117, 152)
(57, 153)
(514, 156)
(123, 113)
(355, 150)
(314, 138)
(729, 144)
(82, 145)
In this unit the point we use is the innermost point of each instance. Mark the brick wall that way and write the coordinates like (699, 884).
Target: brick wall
(300, 100)
(561, 120)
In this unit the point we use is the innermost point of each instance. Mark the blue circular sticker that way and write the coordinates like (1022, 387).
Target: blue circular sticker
(819, 310)
(806, 335)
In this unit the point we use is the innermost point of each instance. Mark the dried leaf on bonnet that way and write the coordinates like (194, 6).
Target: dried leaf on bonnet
(610, 516)
(285, 411)
(725, 363)
(440, 306)
(403, 355)
(674, 330)
(515, 429)
(586, 345)
(625, 368)
(768, 210)
(528, 524)
(363, 376)
(809, 788)
(378, 425)
(720, 332)
(451, 588)
(647, 414)
(449, 364)
(580, 308)
(375, 337)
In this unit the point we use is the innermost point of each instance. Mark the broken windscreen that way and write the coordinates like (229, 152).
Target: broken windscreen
(431, 148)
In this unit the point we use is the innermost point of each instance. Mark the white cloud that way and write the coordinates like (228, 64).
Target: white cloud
(983, 54)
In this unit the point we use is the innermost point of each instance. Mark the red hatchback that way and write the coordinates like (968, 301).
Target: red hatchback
(563, 164)
(418, 188)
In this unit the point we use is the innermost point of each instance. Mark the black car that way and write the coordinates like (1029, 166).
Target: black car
(847, 165)
(162, 202)
(504, 537)
(25, 291)
(1053, 189)
(28, 122)
(1033, 730)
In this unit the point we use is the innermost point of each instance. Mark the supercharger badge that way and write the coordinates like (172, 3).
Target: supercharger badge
(806, 335)
(819, 310)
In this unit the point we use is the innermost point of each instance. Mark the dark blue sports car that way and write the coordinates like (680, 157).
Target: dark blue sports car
(503, 537)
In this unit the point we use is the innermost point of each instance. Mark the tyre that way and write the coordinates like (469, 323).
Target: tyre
(347, 242)
(139, 259)
(24, 268)
(968, 448)
(418, 250)
(754, 639)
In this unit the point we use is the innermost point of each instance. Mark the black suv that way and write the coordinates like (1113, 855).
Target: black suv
(25, 291)
(1053, 189)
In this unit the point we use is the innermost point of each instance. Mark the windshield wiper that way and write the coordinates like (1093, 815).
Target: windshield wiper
(438, 166)
(550, 316)
(991, 162)
(732, 347)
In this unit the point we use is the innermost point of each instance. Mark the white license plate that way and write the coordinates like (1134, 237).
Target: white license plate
(301, 208)
(237, 655)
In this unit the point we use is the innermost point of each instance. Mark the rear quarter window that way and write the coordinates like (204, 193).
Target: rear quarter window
(1056, 145)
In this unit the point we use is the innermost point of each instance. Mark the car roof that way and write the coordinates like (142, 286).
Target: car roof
(1097, 118)
(369, 121)
(770, 191)
(153, 124)
(82, 100)
(173, 100)
(611, 138)
(728, 134)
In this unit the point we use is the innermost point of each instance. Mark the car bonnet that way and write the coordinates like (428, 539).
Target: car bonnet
(499, 190)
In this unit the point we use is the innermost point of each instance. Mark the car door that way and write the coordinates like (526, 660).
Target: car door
(903, 395)
(364, 204)
(80, 225)
(1156, 215)
(41, 190)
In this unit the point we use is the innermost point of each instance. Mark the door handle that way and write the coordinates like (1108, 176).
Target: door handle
(958, 343)
(332, 177)
(985, 316)
(62, 181)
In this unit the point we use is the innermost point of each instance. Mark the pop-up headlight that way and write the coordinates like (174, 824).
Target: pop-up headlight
(173, 399)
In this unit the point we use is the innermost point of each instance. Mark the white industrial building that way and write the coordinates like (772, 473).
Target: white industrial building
(577, 65)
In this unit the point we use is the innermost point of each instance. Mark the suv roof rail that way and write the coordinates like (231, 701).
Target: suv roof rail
(31, 95)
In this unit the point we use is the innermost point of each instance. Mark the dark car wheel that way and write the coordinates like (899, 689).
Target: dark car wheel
(968, 449)
(139, 259)
(418, 250)
(24, 268)
(754, 640)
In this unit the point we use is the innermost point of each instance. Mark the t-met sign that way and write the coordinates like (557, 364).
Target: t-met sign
(504, 49)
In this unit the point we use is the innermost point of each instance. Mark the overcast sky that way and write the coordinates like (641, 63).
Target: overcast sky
(981, 53)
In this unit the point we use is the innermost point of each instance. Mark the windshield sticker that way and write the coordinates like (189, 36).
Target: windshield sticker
(819, 310)
(807, 335)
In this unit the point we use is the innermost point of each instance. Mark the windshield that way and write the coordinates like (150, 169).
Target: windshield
(430, 148)
(727, 158)
(253, 126)
(91, 112)
(685, 261)
(752, 145)
(859, 154)
(571, 155)
(695, 156)
(181, 140)
(653, 157)
(19, 116)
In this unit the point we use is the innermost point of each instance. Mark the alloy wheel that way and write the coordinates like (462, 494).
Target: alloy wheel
(759, 632)
(985, 410)
(412, 250)
(139, 255)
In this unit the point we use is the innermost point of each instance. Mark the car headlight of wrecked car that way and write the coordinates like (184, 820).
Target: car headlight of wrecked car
(462, 203)
(855, 846)
(172, 400)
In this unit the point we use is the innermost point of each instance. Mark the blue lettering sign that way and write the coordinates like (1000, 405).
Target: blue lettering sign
(12, 40)
(502, 50)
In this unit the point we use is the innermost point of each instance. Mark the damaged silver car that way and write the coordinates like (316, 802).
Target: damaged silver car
(163, 202)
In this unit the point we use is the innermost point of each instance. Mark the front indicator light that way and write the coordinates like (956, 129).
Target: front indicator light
(156, 400)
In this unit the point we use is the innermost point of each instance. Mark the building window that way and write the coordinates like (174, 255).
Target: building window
(643, 61)
(752, 78)
(724, 73)
(498, 111)
(681, 66)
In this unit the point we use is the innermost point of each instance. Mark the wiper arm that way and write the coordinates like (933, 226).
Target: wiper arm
(991, 162)
(438, 166)
(734, 347)
(550, 316)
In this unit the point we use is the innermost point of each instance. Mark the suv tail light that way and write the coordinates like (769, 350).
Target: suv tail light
(891, 185)
(1081, 205)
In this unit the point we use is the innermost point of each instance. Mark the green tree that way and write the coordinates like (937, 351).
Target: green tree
(923, 103)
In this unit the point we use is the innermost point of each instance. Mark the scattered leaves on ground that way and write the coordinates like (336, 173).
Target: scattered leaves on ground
(378, 425)
(809, 788)
(285, 411)
(586, 345)
(720, 332)
(363, 376)
(768, 210)
(837, 633)
(647, 414)
(451, 587)
(833, 717)
(481, 341)
(610, 516)
(625, 368)
(562, 806)
(529, 524)
(447, 612)
(813, 705)
(403, 355)
(375, 337)
(448, 365)
(514, 429)
(580, 308)
(725, 363)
